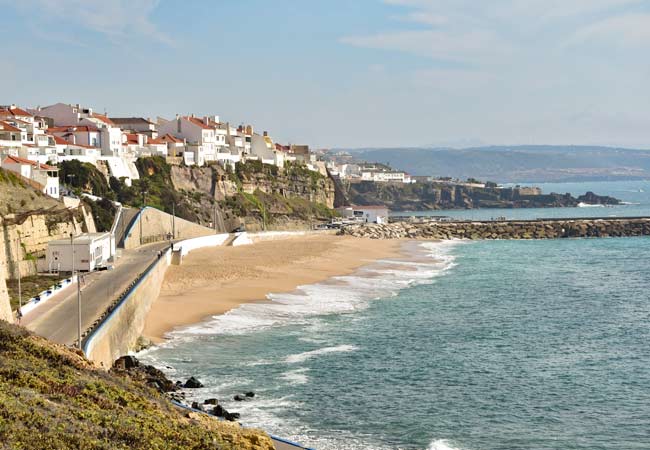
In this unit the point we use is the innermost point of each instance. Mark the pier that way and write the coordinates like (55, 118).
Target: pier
(505, 229)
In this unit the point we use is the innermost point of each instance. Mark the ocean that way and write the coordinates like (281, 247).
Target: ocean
(463, 345)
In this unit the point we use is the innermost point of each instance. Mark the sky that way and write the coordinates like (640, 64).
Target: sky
(343, 74)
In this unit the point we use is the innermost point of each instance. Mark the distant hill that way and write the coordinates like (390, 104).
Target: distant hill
(543, 163)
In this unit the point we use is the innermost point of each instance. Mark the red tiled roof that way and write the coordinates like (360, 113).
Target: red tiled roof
(169, 138)
(14, 112)
(157, 141)
(198, 122)
(4, 126)
(103, 118)
(18, 160)
(60, 141)
(72, 129)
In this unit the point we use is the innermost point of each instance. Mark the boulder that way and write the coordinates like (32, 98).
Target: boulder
(250, 394)
(193, 383)
(211, 401)
(126, 362)
(239, 398)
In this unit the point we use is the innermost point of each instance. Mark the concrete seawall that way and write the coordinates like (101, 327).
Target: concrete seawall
(120, 330)
(157, 226)
(529, 229)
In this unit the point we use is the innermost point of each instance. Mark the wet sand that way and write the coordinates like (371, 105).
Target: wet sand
(215, 280)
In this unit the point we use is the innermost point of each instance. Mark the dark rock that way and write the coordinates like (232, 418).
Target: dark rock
(211, 401)
(231, 417)
(239, 398)
(219, 411)
(126, 362)
(250, 394)
(198, 406)
(193, 383)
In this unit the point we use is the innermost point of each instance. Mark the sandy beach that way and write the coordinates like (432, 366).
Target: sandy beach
(215, 280)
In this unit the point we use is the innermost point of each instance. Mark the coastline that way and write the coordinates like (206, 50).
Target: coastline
(214, 281)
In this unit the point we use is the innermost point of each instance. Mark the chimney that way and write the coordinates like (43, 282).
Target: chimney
(192, 115)
(266, 134)
(178, 116)
(206, 120)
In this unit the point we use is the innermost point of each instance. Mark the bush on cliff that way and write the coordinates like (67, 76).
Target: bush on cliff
(52, 398)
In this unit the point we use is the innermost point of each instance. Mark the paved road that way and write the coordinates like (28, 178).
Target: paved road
(57, 319)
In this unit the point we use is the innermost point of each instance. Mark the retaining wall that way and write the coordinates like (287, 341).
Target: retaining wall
(157, 225)
(119, 332)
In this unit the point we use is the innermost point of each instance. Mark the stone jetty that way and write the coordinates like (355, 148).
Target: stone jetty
(524, 229)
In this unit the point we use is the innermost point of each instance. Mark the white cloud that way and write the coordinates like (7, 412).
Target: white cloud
(117, 19)
(630, 30)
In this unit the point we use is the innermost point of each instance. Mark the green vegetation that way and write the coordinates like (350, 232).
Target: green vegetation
(51, 398)
(103, 212)
(84, 177)
(8, 177)
(29, 286)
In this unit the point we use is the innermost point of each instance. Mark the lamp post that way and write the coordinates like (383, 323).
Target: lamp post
(144, 204)
(78, 295)
(20, 293)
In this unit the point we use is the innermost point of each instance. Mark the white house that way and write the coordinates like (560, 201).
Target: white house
(90, 250)
(368, 214)
(41, 176)
(63, 115)
(11, 136)
(136, 125)
(87, 135)
(199, 134)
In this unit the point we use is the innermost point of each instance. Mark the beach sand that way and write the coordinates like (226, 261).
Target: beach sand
(215, 280)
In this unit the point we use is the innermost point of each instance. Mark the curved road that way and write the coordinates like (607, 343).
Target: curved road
(57, 319)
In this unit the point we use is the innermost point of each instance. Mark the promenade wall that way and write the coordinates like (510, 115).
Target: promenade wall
(157, 226)
(117, 333)
(525, 229)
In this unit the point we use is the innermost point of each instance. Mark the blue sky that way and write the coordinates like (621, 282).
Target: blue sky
(339, 73)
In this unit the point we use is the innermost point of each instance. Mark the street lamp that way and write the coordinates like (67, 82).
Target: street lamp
(144, 204)
(20, 293)
(78, 294)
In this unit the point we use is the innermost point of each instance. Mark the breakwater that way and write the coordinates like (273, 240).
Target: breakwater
(520, 229)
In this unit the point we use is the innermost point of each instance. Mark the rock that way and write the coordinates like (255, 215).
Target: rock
(126, 362)
(193, 383)
(231, 417)
(198, 406)
(239, 398)
(211, 401)
(219, 411)
(250, 394)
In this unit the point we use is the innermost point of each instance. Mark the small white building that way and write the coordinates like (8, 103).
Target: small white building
(91, 251)
(367, 214)
(39, 176)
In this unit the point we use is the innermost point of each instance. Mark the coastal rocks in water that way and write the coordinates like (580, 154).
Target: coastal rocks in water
(497, 229)
(193, 383)
(239, 398)
(149, 375)
(250, 394)
(198, 406)
(211, 401)
(142, 343)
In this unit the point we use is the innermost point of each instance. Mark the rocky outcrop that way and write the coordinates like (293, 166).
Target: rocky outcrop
(534, 229)
(432, 196)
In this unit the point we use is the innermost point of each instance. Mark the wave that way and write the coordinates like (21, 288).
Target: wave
(302, 357)
(589, 205)
(442, 444)
(339, 295)
(298, 376)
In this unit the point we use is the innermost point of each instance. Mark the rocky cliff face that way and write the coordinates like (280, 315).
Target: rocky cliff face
(431, 196)
(260, 195)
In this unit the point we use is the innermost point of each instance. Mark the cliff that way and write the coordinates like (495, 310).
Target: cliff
(259, 195)
(431, 196)
(53, 398)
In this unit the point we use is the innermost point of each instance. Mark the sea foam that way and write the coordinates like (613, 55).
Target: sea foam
(340, 295)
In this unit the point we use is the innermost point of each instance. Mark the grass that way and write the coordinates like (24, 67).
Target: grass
(30, 287)
(52, 398)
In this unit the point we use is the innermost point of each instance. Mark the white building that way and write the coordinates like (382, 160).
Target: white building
(91, 251)
(62, 115)
(367, 214)
(385, 177)
(136, 125)
(40, 176)
(199, 134)
(11, 136)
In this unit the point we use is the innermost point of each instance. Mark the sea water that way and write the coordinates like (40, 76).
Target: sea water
(481, 345)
